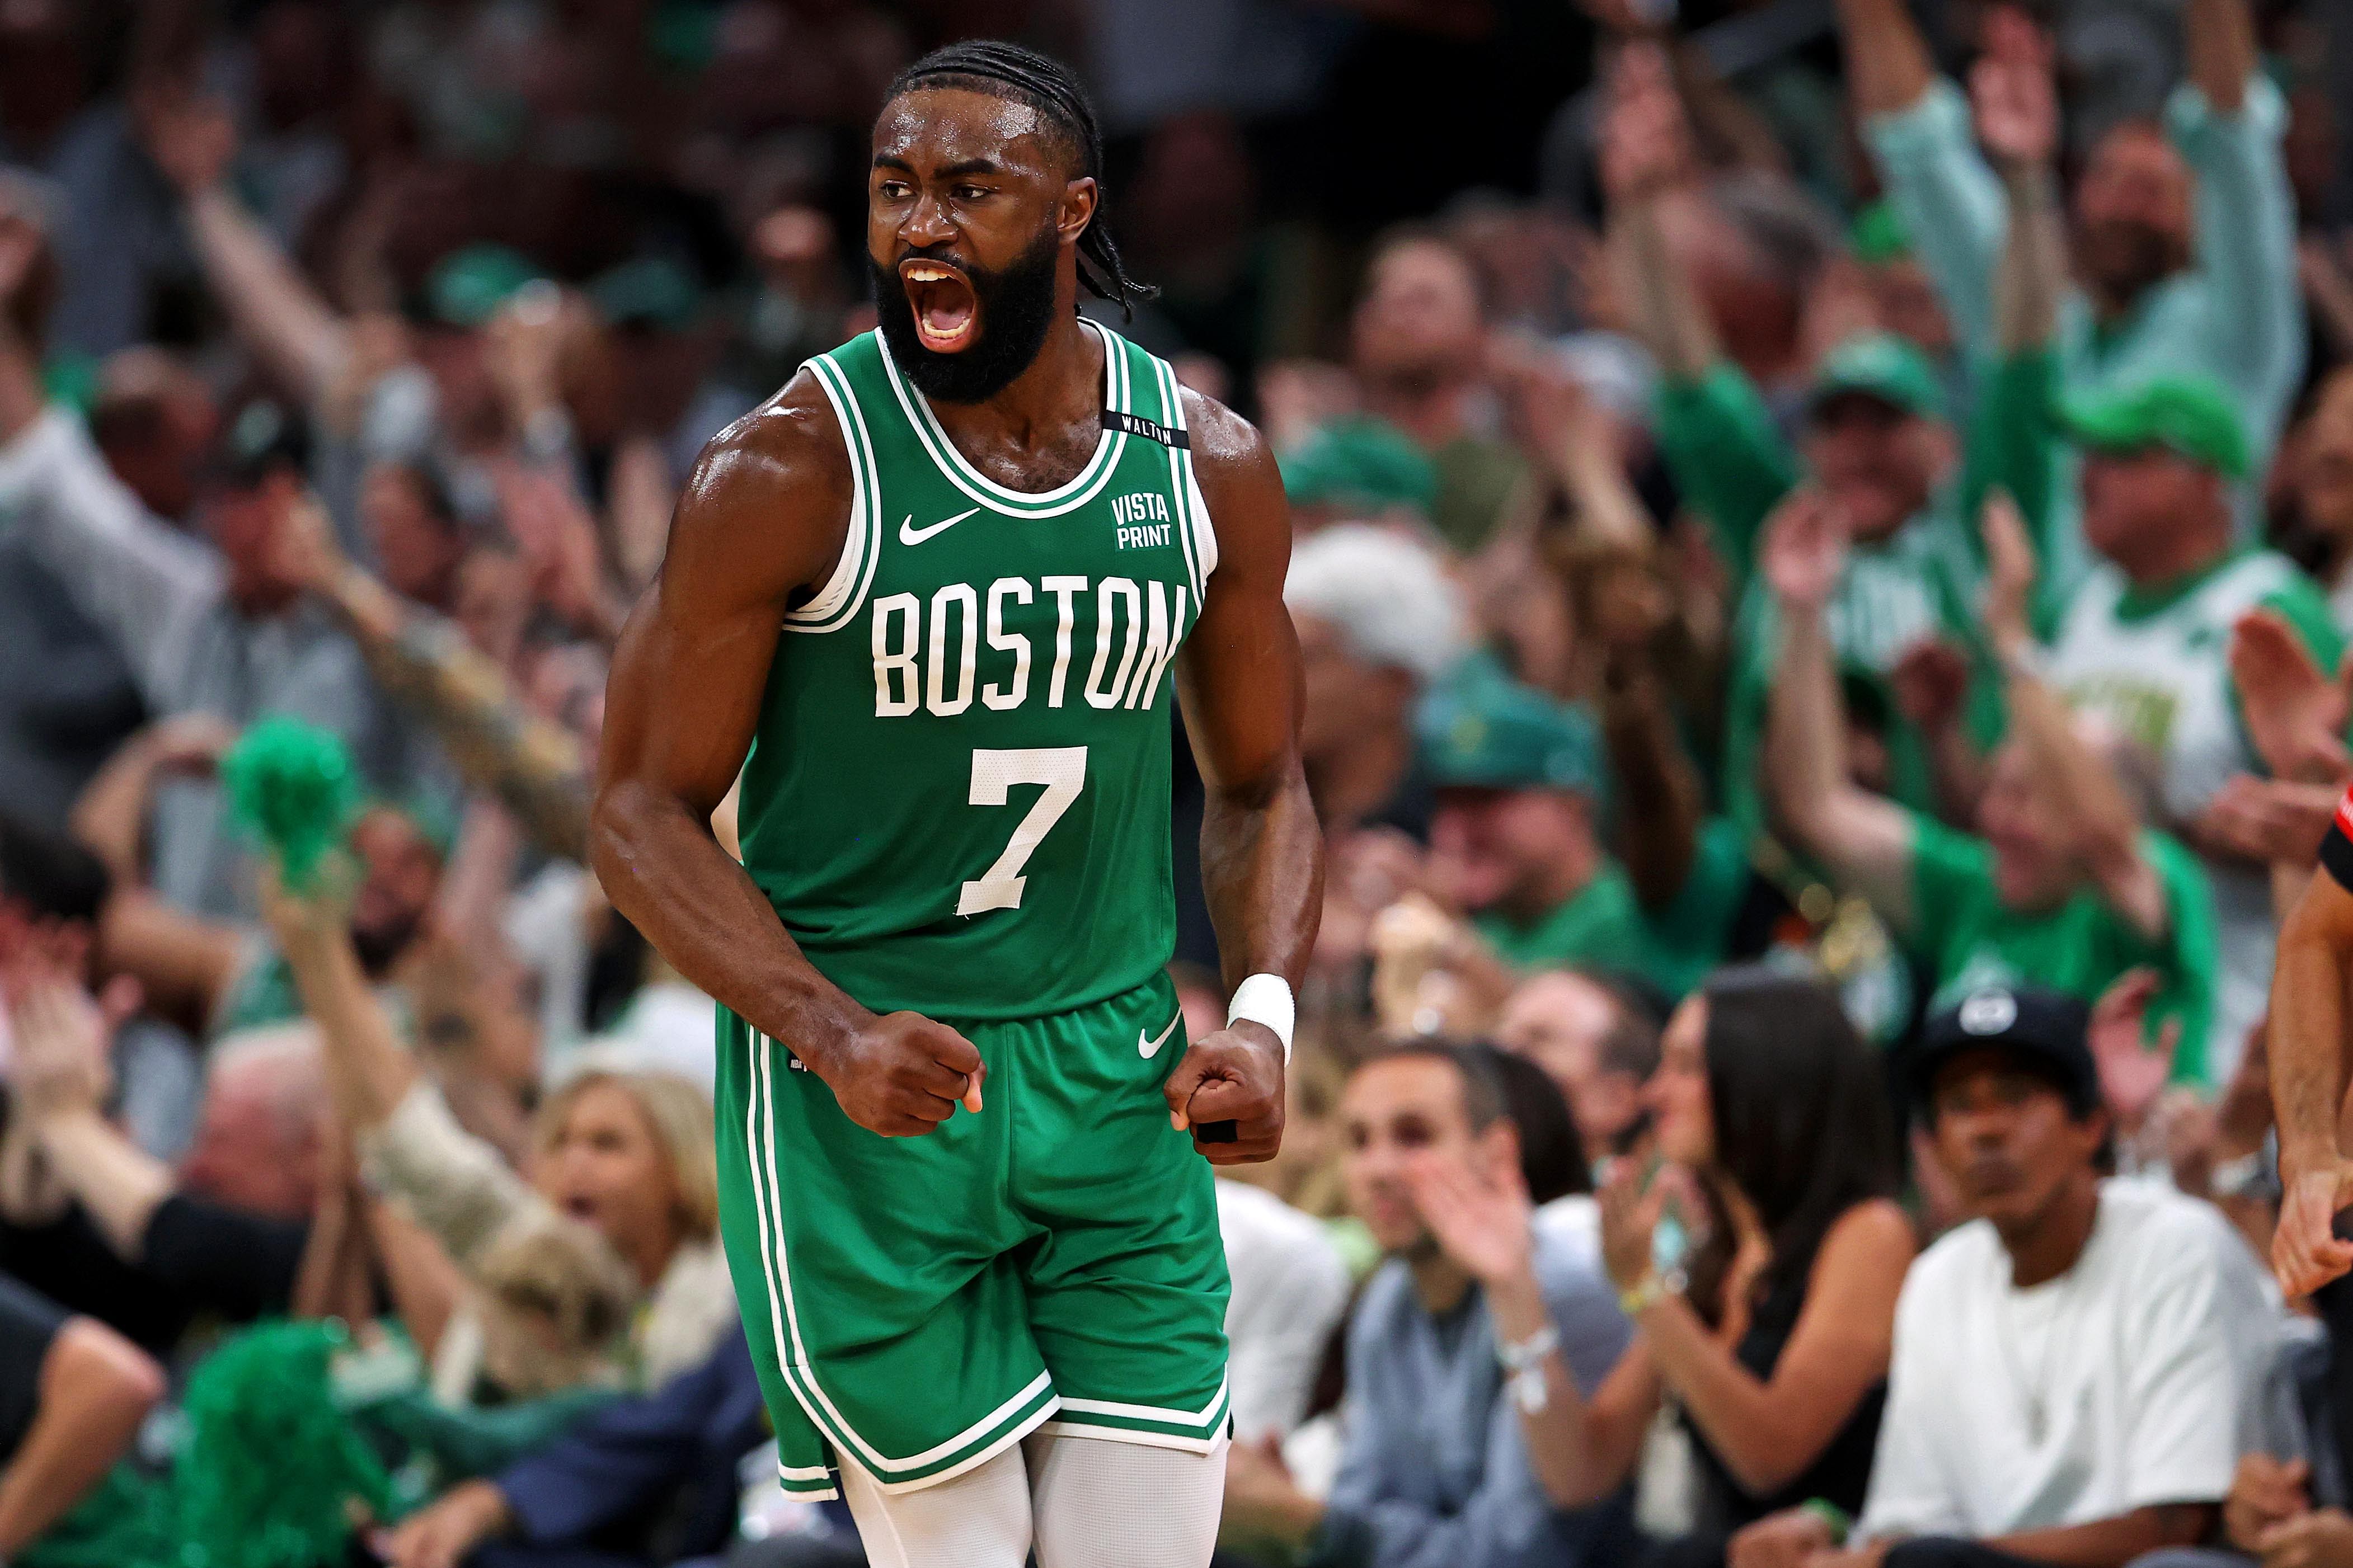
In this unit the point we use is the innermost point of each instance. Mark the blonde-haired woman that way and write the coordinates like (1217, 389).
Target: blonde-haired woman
(625, 1153)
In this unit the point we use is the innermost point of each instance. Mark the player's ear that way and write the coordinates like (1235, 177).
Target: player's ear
(1077, 208)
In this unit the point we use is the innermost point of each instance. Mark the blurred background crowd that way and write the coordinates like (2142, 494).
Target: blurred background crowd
(1824, 556)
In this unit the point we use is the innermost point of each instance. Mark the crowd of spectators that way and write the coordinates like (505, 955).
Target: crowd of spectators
(1824, 561)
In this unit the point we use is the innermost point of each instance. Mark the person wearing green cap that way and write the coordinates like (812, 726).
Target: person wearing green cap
(1877, 443)
(470, 286)
(2184, 229)
(1359, 469)
(2145, 642)
(1518, 825)
(2059, 885)
(1904, 292)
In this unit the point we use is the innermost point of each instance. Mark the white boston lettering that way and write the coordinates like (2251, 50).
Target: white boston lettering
(1065, 591)
(1004, 697)
(935, 668)
(894, 664)
(935, 697)
(1098, 694)
(1162, 632)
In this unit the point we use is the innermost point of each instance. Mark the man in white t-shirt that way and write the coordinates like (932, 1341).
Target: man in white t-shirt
(2071, 1366)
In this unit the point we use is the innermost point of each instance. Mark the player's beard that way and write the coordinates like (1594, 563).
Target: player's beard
(1014, 306)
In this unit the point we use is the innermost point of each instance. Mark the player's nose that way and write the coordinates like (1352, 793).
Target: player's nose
(926, 223)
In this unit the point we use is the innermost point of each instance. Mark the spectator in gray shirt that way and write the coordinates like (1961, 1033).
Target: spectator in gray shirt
(1461, 1353)
(222, 629)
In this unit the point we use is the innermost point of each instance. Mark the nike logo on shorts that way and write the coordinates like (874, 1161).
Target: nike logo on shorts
(1147, 1049)
(909, 534)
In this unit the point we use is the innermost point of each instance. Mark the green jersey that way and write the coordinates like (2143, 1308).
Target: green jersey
(1600, 924)
(1970, 940)
(1919, 585)
(957, 794)
(1604, 926)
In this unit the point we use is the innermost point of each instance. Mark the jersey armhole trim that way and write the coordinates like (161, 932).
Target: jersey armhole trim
(1200, 536)
(838, 600)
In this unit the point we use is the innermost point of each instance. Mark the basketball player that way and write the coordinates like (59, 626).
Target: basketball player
(933, 601)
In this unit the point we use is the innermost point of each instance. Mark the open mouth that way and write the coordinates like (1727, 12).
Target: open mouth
(944, 304)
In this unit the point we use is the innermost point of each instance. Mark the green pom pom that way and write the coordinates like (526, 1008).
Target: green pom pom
(1878, 236)
(292, 784)
(271, 1466)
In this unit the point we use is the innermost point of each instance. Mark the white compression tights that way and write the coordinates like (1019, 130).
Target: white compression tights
(1087, 1503)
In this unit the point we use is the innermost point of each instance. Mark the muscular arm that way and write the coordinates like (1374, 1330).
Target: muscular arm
(1261, 853)
(2307, 1061)
(763, 515)
(2307, 1032)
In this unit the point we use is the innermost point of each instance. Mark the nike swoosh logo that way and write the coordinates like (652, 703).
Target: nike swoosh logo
(911, 535)
(1147, 1049)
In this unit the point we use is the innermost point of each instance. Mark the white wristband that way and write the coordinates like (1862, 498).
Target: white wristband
(1265, 999)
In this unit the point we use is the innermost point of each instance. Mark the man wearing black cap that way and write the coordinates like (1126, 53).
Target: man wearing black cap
(2070, 1365)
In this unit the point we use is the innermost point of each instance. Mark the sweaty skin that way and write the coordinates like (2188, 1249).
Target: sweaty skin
(964, 178)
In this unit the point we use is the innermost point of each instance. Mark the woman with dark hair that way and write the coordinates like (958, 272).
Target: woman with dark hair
(1551, 1155)
(1772, 1336)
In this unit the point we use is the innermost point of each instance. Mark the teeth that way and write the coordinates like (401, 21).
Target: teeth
(927, 274)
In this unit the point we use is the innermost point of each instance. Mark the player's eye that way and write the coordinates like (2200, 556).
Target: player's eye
(968, 193)
(892, 190)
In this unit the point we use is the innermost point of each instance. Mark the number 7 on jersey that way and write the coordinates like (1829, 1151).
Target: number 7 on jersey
(1063, 771)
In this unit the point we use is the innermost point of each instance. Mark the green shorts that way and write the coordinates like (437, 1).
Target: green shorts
(916, 1305)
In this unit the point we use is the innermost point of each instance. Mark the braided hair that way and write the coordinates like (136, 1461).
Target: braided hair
(1045, 85)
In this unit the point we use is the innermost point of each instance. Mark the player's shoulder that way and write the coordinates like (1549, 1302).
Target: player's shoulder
(793, 437)
(767, 504)
(1221, 439)
(1240, 485)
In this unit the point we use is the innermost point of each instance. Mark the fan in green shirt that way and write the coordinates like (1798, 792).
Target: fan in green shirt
(1874, 425)
(1877, 440)
(1521, 803)
(2059, 886)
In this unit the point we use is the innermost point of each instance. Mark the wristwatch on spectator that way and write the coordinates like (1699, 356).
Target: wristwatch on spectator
(1522, 1363)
